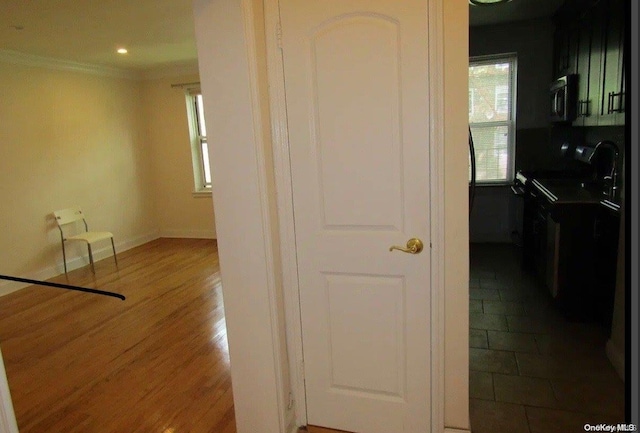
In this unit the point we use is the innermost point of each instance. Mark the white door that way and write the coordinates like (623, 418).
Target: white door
(356, 81)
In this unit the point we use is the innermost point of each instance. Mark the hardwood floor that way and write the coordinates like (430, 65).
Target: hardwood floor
(156, 362)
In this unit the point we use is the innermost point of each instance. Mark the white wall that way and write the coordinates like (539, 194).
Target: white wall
(230, 41)
(496, 213)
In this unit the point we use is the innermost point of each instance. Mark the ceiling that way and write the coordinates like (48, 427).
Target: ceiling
(157, 33)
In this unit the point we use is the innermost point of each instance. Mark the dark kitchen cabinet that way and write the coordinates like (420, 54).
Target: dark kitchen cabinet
(571, 251)
(565, 50)
(613, 62)
(588, 67)
(535, 235)
(606, 230)
(590, 41)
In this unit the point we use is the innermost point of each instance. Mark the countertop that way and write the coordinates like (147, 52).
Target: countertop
(569, 191)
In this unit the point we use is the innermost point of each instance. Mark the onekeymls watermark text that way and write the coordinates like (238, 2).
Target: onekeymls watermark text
(611, 427)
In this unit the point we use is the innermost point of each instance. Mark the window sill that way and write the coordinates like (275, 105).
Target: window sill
(202, 194)
(492, 184)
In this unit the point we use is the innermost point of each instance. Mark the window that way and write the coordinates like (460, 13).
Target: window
(492, 116)
(199, 148)
(502, 99)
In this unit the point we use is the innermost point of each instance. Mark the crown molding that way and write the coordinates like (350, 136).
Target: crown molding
(18, 58)
(15, 57)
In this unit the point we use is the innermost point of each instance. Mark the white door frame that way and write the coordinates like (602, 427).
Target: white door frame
(282, 170)
(7, 417)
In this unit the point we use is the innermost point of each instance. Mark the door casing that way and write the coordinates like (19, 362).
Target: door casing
(283, 182)
(8, 422)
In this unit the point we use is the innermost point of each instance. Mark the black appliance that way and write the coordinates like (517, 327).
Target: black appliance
(564, 99)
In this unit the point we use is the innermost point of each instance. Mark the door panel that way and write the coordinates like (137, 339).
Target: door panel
(342, 85)
(351, 301)
(357, 104)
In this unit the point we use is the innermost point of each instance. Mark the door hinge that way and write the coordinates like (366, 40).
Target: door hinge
(279, 35)
(290, 405)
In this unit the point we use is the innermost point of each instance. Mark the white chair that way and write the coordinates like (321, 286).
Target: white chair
(67, 217)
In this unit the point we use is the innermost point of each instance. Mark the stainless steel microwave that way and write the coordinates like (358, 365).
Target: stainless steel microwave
(564, 99)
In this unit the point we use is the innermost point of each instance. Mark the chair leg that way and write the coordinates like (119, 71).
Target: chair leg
(93, 269)
(64, 258)
(114, 252)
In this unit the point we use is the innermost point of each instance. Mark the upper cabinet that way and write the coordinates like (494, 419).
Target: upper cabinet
(565, 50)
(590, 42)
(613, 92)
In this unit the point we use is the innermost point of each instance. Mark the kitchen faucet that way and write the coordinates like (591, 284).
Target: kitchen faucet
(612, 178)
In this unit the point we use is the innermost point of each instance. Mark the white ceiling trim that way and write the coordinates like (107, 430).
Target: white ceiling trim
(17, 58)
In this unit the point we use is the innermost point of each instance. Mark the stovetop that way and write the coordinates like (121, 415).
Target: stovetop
(555, 174)
(565, 187)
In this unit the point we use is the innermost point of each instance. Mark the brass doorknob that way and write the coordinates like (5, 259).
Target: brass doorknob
(414, 246)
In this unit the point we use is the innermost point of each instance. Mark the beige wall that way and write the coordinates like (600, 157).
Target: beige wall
(166, 132)
(456, 213)
(68, 139)
(117, 147)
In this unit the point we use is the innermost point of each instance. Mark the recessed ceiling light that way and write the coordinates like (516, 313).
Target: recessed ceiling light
(487, 2)
(122, 51)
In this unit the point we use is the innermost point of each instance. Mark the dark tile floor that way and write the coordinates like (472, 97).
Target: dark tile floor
(531, 370)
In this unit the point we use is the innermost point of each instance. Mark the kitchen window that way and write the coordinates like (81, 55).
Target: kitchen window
(199, 147)
(492, 116)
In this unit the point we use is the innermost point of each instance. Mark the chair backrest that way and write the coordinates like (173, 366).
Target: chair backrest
(68, 216)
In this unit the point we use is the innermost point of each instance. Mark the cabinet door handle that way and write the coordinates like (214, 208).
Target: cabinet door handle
(611, 100)
(610, 103)
(583, 108)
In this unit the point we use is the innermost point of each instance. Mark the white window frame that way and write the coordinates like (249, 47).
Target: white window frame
(472, 100)
(510, 123)
(199, 160)
(500, 107)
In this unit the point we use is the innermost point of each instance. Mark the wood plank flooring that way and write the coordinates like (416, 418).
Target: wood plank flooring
(156, 362)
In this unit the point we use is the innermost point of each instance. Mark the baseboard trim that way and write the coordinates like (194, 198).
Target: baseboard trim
(616, 357)
(188, 234)
(76, 262)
